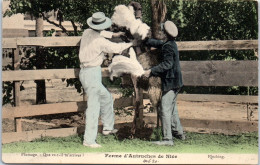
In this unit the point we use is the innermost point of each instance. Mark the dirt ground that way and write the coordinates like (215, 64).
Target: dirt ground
(57, 92)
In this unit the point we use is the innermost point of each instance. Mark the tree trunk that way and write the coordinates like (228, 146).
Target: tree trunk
(40, 84)
(159, 11)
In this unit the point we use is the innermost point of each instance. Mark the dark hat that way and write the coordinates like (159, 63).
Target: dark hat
(99, 21)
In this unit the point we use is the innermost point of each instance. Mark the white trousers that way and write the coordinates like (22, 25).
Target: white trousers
(100, 103)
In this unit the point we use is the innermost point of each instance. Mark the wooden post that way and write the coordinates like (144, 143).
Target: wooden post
(16, 88)
(40, 64)
(18, 124)
(16, 66)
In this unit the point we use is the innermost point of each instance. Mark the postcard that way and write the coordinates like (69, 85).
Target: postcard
(130, 82)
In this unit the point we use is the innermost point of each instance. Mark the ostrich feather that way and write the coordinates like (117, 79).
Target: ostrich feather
(124, 17)
(121, 64)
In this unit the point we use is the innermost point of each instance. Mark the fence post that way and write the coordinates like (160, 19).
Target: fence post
(16, 89)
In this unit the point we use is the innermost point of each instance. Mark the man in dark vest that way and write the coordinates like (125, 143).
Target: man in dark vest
(170, 73)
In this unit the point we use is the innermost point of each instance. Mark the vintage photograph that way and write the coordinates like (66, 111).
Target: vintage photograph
(130, 81)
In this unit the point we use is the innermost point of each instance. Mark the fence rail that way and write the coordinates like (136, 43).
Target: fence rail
(195, 73)
(56, 108)
(182, 45)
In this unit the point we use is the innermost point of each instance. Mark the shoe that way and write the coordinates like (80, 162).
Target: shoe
(180, 136)
(163, 143)
(92, 145)
(109, 132)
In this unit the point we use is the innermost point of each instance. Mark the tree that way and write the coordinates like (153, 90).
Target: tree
(159, 11)
(31, 7)
(38, 10)
(40, 84)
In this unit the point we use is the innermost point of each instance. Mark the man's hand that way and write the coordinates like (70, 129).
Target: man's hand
(147, 73)
(118, 34)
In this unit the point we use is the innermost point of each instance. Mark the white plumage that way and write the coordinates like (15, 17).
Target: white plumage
(121, 64)
(124, 17)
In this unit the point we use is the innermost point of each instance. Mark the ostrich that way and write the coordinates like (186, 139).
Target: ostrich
(146, 58)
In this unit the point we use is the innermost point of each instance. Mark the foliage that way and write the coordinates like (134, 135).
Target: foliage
(214, 20)
(7, 89)
(126, 92)
(157, 134)
(111, 84)
(123, 112)
(196, 20)
(32, 7)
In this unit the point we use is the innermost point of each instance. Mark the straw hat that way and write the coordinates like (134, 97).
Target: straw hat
(99, 21)
(171, 28)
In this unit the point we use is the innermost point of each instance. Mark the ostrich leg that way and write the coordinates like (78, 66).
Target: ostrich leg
(138, 102)
(155, 97)
(153, 84)
(138, 118)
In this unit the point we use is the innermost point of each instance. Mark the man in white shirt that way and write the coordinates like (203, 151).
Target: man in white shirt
(100, 102)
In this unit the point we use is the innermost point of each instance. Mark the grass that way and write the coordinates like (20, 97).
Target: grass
(195, 143)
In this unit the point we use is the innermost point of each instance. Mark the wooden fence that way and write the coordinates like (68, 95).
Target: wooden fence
(195, 73)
